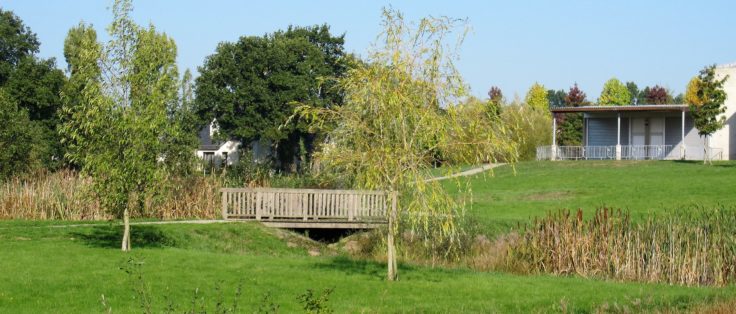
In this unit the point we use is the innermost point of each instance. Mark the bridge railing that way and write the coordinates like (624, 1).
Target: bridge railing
(305, 204)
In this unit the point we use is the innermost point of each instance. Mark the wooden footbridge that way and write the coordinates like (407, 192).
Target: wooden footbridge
(308, 208)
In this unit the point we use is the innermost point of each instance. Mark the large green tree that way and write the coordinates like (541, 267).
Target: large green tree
(707, 107)
(614, 93)
(16, 137)
(33, 84)
(119, 119)
(556, 98)
(17, 42)
(250, 87)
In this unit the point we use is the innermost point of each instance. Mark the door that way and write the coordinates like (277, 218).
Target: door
(656, 138)
(638, 138)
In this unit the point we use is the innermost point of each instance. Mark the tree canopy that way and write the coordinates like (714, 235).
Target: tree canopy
(32, 85)
(536, 97)
(691, 93)
(657, 95)
(556, 98)
(614, 93)
(576, 97)
(18, 42)
(634, 93)
(250, 87)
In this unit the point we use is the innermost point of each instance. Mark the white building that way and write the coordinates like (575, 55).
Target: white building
(218, 153)
(648, 131)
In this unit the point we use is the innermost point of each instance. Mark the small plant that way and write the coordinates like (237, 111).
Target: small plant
(267, 305)
(316, 304)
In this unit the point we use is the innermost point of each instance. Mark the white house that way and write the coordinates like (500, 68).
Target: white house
(218, 153)
(648, 131)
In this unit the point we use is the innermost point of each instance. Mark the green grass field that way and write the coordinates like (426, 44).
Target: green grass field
(642, 187)
(67, 270)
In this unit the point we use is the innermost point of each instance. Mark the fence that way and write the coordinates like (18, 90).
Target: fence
(604, 152)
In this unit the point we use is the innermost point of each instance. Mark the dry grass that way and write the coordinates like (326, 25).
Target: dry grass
(696, 247)
(65, 195)
(60, 196)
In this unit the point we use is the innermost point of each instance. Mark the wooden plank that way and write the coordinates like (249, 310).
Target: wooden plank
(224, 204)
(259, 205)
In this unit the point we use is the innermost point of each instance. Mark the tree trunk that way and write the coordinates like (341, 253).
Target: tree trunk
(126, 231)
(391, 254)
(706, 150)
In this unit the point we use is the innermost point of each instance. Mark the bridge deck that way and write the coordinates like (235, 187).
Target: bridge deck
(308, 208)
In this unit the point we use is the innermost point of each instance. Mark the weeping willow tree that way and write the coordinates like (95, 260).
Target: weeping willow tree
(399, 118)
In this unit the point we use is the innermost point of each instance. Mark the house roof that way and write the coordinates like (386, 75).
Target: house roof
(601, 108)
(726, 65)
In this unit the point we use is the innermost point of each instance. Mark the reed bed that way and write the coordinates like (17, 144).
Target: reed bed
(59, 196)
(694, 247)
(65, 195)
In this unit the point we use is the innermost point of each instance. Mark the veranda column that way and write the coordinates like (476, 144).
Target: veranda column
(682, 142)
(618, 136)
(553, 150)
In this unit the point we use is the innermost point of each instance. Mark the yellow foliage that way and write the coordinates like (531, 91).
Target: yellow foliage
(691, 95)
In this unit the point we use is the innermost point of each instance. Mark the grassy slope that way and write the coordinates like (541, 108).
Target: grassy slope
(67, 270)
(643, 187)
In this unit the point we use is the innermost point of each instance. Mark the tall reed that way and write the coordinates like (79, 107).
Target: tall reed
(60, 195)
(65, 195)
(687, 247)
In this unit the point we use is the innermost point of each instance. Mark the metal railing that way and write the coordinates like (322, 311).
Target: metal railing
(645, 151)
(604, 152)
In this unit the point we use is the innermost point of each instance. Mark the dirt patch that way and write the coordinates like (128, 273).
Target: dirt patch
(547, 196)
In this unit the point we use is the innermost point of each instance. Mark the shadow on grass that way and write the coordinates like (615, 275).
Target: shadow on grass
(378, 270)
(716, 163)
(112, 236)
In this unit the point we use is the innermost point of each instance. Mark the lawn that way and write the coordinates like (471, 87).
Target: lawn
(642, 187)
(67, 270)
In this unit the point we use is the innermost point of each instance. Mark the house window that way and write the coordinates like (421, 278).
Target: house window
(224, 159)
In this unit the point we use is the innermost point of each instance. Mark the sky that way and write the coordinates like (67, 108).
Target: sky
(512, 45)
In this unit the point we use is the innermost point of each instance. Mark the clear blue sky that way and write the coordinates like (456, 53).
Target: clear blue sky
(513, 43)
